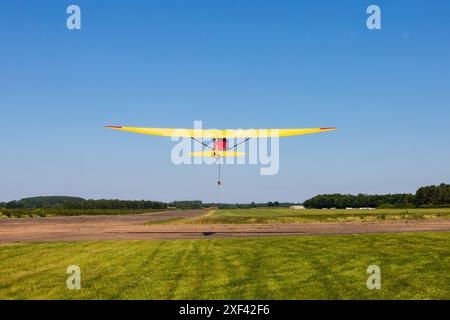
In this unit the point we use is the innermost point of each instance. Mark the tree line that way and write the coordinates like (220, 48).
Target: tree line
(275, 204)
(76, 203)
(434, 196)
(60, 202)
(429, 196)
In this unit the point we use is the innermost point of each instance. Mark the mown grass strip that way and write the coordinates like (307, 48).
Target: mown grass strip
(413, 266)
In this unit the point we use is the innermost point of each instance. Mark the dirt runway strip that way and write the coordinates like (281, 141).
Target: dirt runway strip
(131, 227)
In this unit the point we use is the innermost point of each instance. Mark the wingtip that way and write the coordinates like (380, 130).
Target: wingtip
(113, 127)
(328, 129)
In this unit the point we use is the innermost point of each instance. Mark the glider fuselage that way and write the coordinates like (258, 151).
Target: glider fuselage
(219, 145)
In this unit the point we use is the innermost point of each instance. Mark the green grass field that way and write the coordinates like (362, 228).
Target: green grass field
(285, 215)
(413, 266)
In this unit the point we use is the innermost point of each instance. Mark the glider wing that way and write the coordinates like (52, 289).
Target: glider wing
(226, 133)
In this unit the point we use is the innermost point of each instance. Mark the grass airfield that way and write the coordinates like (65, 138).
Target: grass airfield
(286, 215)
(413, 265)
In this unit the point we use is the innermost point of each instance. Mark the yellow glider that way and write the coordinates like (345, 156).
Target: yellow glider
(218, 134)
(220, 147)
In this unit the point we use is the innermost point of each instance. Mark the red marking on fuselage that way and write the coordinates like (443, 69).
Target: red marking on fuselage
(220, 144)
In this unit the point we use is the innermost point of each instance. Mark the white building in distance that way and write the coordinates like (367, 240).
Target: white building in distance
(297, 207)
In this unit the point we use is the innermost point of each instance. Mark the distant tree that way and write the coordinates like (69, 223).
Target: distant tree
(13, 205)
(360, 200)
(196, 204)
(433, 195)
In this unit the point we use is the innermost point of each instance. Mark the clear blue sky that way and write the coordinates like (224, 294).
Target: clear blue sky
(232, 64)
